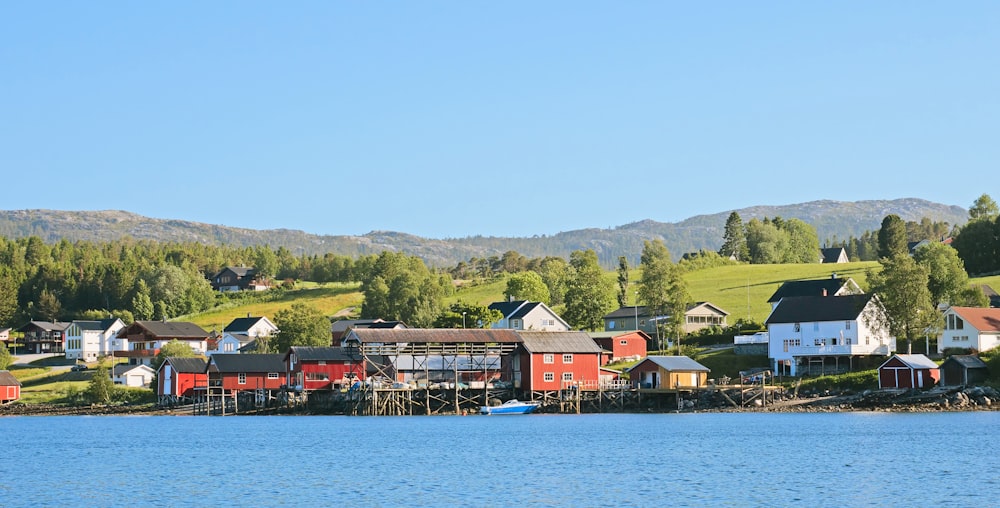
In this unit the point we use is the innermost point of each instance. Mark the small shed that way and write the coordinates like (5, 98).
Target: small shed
(10, 387)
(668, 373)
(908, 371)
(132, 375)
(963, 370)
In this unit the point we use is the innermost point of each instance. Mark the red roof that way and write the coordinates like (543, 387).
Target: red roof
(982, 319)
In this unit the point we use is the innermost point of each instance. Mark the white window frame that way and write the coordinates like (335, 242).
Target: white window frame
(548, 358)
(241, 378)
(567, 358)
(549, 377)
(272, 375)
(567, 376)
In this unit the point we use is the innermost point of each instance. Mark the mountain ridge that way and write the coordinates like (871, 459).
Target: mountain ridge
(832, 219)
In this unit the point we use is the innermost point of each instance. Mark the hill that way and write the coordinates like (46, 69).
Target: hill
(832, 219)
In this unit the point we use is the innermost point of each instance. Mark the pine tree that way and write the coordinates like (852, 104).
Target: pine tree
(734, 240)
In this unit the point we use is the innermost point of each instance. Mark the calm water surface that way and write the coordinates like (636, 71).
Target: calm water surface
(748, 459)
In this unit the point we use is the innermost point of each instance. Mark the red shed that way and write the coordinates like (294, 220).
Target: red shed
(622, 345)
(323, 368)
(235, 373)
(908, 371)
(10, 387)
(553, 360)
(180, 377)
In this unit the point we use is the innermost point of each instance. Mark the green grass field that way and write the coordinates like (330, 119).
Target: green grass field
(331, 299)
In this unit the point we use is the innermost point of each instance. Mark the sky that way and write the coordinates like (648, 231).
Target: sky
(454, 119)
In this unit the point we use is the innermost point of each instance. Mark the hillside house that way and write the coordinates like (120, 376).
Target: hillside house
(698, 316)
(181, 379)
(621, 346)
(252, 326)
(668, 373)
(10, 387)
(820, 334)
(833, 286)
(143, 339)
(549, 361)
(44, 337)
(323, 368)
(833, 255)
(528, 315)
(229, 343)
(907, 371)
(963, 370)
(238, 278)
(132, 375)
(970, 328)
(89, 340)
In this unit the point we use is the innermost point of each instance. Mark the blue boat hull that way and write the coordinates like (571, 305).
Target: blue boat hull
(509, 409)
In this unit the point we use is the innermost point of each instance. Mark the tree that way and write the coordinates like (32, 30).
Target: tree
(892, 239)
(301, 325)
(766, 243)
(803, 244)
(622, 281)
(978, 244)
(400, 287)
(6, 359)
(734, 240)
(984, 208)
(527, 286)
(8, 297)
(589, 296)
(901, 290)
(463, 315)
(554, 271)
(947, 279)
(663, 290)
(174, 348)
(100, 389)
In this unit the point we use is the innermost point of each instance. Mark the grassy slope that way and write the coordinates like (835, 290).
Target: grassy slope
(328, 298)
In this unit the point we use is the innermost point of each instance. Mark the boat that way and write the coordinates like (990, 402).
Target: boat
(511, 407)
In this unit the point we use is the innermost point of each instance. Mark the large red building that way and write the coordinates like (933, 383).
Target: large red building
(547, 361)
(622, 345)
(244, 372)
(323, 368)
(180, 378)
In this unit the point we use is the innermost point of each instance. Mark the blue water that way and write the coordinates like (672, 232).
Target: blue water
(728, 459)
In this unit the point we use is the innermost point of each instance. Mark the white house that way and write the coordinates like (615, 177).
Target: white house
(252, 327)
(816, 334)
(970, 328)
(528, 315)
(142, 340)
(833, 286)
(132, 375)
(230, 343)
(89, 340)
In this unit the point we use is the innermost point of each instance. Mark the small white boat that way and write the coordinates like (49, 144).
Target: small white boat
(511, 407)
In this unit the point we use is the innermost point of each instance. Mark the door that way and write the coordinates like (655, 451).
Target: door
(167, 381)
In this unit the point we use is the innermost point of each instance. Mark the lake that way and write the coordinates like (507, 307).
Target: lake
(710, 459)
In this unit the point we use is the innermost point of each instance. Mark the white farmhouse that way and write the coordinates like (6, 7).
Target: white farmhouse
(528, 315)
(970, 328)
(89, 340)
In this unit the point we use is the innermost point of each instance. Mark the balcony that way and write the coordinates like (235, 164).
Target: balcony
(137, 353)
(844, 350)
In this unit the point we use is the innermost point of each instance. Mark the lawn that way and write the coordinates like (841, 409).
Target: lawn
(330, 299)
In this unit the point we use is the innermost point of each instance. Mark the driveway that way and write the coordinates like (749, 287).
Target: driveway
(27, 359)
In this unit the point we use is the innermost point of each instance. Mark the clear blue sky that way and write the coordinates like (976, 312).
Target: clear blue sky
(450, 119)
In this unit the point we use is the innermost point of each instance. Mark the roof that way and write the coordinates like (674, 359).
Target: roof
(831, 254)
(706, 305)
(674, 363)
(240, 271)
(436, 335)
(984, 319)
(321, 353)
(617, 333)
(189, 365)
(343, 324)
(100, 326)
(525, 309)
(558, 342)
(121, 368)
(174, 329)
(626, 312)
(249, 363)
(507, 308)
(243, 324)
(8, 379)
(967, 361)
(45, 325)
(808, 288)
(802, 309)
(914, 361)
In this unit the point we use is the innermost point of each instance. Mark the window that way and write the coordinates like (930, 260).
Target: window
(228, 347)
(549, 376)
(819, 342)
(548, 358)
(567, 358)
(796, 327)
(959, 324)
(241, 378)
(611, 325)
(317, 376)
(623, 342)
(816, 326)
(272, 375)
(515, 324)
(567, 376)
(847, 325)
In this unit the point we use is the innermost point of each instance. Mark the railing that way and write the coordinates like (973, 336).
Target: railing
(593, 385)
(757, 338)
(847, 349)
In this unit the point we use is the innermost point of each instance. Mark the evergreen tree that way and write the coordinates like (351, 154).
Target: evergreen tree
(100, 389)
(622, 281)
(734, 240)
(892, 240)
(984, 208)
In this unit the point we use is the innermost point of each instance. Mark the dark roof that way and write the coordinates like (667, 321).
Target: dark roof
(507, 308)
(240, 271)
(385, 324)
(178, 329)
(624, 312)
(967, 361)
(8, 379)
(249, 363)
(436, 335)
(48, 326)
(101, 325)
(322, 353)
(241, 324)
(808, 288)
(807, 309)
(558, 342)
(525, 309)
(190, 365)
(831, 254)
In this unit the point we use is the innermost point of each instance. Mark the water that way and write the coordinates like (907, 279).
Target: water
(726, 459)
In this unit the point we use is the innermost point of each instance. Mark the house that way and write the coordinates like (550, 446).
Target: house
(229, 343)
(181, 379)
(143, 339)
(228, 374)
(808, 333)
(132, 375)
(251, 326)
(833, 255)
(528, 315)
(912, 247)
(323, 368)
(622, 345)
(668, 373)
(963, 370)
(907, 371)
(971, 328)
(549, 361)
(44, 336)
(833, 286)
(10, 387)
(89, 340)
(698, 316)
(238, 278)
(4, 334)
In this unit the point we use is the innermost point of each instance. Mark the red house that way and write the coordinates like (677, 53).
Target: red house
(236, 373)
(908, 371)
(10, 387)
(323, 368)
(180, 378)
(547, 361)
(622, 345)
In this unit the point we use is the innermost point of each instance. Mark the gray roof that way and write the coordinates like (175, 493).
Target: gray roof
(321, 353)
(241, 324)
(343, 324)
(45, 325)
(168, 329)
(8, 379)
(674, 363)
(808, 309)
(101, 325)
(248, 363)
(831, 254)
(808, 288)
(435, 335)
(190, 365)
(558, 342)
(627, 312)
(915, 361)
(967, 361)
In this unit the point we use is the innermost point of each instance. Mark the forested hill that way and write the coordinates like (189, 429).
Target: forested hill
(832, 219)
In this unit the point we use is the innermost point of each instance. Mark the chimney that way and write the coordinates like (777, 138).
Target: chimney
(824, 291)
(833, 275)
(248, 314)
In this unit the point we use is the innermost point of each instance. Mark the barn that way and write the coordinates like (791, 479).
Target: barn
(908, 371)
(323, 368)
(550, 361)
(180, 378)
(10, 387)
